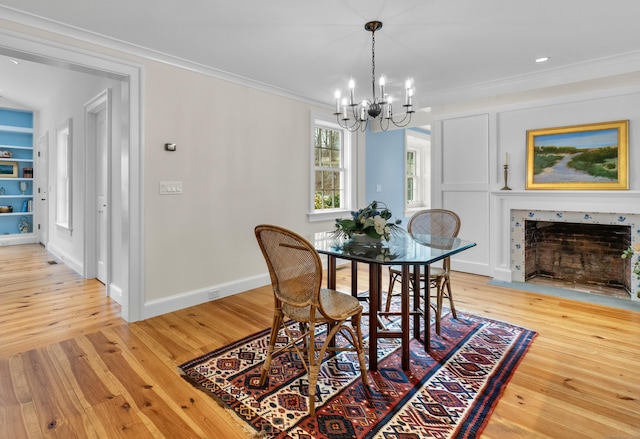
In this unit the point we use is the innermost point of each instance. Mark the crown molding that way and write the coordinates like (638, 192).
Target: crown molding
(106, 42)
(589, 70)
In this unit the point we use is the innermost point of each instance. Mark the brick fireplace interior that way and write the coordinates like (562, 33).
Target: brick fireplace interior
(566, 254)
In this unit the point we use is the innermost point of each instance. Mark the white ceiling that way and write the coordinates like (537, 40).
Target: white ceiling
(310, 48)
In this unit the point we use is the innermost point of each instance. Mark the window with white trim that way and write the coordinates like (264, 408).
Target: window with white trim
(332, 163)
(417, 171)
(63, 174)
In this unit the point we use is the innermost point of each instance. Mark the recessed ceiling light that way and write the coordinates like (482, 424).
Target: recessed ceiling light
(14, 61)
(542, 59)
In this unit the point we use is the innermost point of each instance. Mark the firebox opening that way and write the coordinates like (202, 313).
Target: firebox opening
(579, 256)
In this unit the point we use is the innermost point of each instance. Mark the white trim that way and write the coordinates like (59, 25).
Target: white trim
(349, 164)
(130, 73)
(74, 264)
(102, 101)
(187, 299)
(132, 49)
(64, 189)
(602, 68)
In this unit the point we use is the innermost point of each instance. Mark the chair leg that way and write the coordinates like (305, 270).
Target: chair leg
(360, 349)
(450, 294)
(392, 282)
(439, 297)
(275, 328)
(314, 365)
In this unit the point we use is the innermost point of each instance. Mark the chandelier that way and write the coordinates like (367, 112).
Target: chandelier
(353, 115)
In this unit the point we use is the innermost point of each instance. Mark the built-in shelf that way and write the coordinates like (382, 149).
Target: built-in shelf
(16, 175)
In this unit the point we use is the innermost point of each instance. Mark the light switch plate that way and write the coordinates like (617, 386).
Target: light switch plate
(170, 187)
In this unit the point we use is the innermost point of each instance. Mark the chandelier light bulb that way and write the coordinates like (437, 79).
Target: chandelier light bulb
(352, 89)
(337, 95)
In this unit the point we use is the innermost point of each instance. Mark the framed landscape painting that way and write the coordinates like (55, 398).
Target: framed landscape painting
(580, 157)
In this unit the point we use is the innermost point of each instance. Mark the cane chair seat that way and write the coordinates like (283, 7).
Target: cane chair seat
(296, 277)
(436, 222)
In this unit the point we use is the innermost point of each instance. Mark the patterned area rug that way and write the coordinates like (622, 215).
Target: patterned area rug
(449, 393)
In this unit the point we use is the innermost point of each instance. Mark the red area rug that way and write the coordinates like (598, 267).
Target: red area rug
(449, 393)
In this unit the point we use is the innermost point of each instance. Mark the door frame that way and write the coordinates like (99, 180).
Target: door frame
(129, 187)
(42, 180)
(101, 102)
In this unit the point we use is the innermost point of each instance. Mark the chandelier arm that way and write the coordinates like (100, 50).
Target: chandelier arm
(401, 123)
(344, 123)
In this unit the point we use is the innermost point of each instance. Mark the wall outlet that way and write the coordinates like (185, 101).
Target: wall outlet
(214, 294)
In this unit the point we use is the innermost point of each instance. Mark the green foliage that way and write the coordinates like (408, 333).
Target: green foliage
(326, 201)
(600, 162)
(540, 162)
(556, 150)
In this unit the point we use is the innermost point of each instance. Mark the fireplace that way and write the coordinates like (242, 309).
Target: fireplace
(568, 249)
(577, 253)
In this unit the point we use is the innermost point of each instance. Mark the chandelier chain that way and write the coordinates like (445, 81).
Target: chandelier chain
(373, 65)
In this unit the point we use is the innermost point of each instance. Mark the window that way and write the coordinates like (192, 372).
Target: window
(331, 168)
(412, 176)
(63, 175)
(417, 171)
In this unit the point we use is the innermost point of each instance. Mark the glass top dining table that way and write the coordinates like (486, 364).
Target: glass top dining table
(404, 250)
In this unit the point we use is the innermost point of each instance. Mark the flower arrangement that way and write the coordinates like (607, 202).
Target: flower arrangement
(628, 253)
(371, 221)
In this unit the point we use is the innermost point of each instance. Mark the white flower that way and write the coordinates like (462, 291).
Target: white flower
(381, 225)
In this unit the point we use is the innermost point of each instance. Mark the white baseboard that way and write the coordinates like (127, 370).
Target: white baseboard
(18, 238)
(67, 259)
(115, 293)
(196, 297)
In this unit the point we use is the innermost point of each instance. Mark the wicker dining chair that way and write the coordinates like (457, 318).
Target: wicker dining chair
(296, 277)
(437, 222)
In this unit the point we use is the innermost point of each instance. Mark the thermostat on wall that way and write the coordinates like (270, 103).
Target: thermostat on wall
(170, 146)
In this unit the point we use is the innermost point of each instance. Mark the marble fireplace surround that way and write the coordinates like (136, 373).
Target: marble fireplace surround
(513, 208)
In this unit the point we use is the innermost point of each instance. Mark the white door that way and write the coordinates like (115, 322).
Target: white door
(101, 192)
(98, 147)
(40, 195)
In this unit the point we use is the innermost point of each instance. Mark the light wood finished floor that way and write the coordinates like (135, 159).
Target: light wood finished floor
(71, 368)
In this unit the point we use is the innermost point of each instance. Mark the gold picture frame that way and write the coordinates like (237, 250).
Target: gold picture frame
(8, 169)
(579, 157)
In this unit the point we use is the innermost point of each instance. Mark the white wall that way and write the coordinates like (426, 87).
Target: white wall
(471, 147)
(243, 159)
(68, 103)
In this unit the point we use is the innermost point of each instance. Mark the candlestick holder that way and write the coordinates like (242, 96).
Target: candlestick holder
(506, 175)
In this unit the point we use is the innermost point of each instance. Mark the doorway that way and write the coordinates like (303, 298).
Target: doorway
(97, 183)
(127, 276)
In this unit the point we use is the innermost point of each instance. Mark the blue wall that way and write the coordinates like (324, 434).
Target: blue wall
(384, 166)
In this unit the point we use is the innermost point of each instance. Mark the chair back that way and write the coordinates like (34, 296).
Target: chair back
(294, 265)
(437, 222)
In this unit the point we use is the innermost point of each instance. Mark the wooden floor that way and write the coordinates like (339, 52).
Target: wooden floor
(71, 368)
